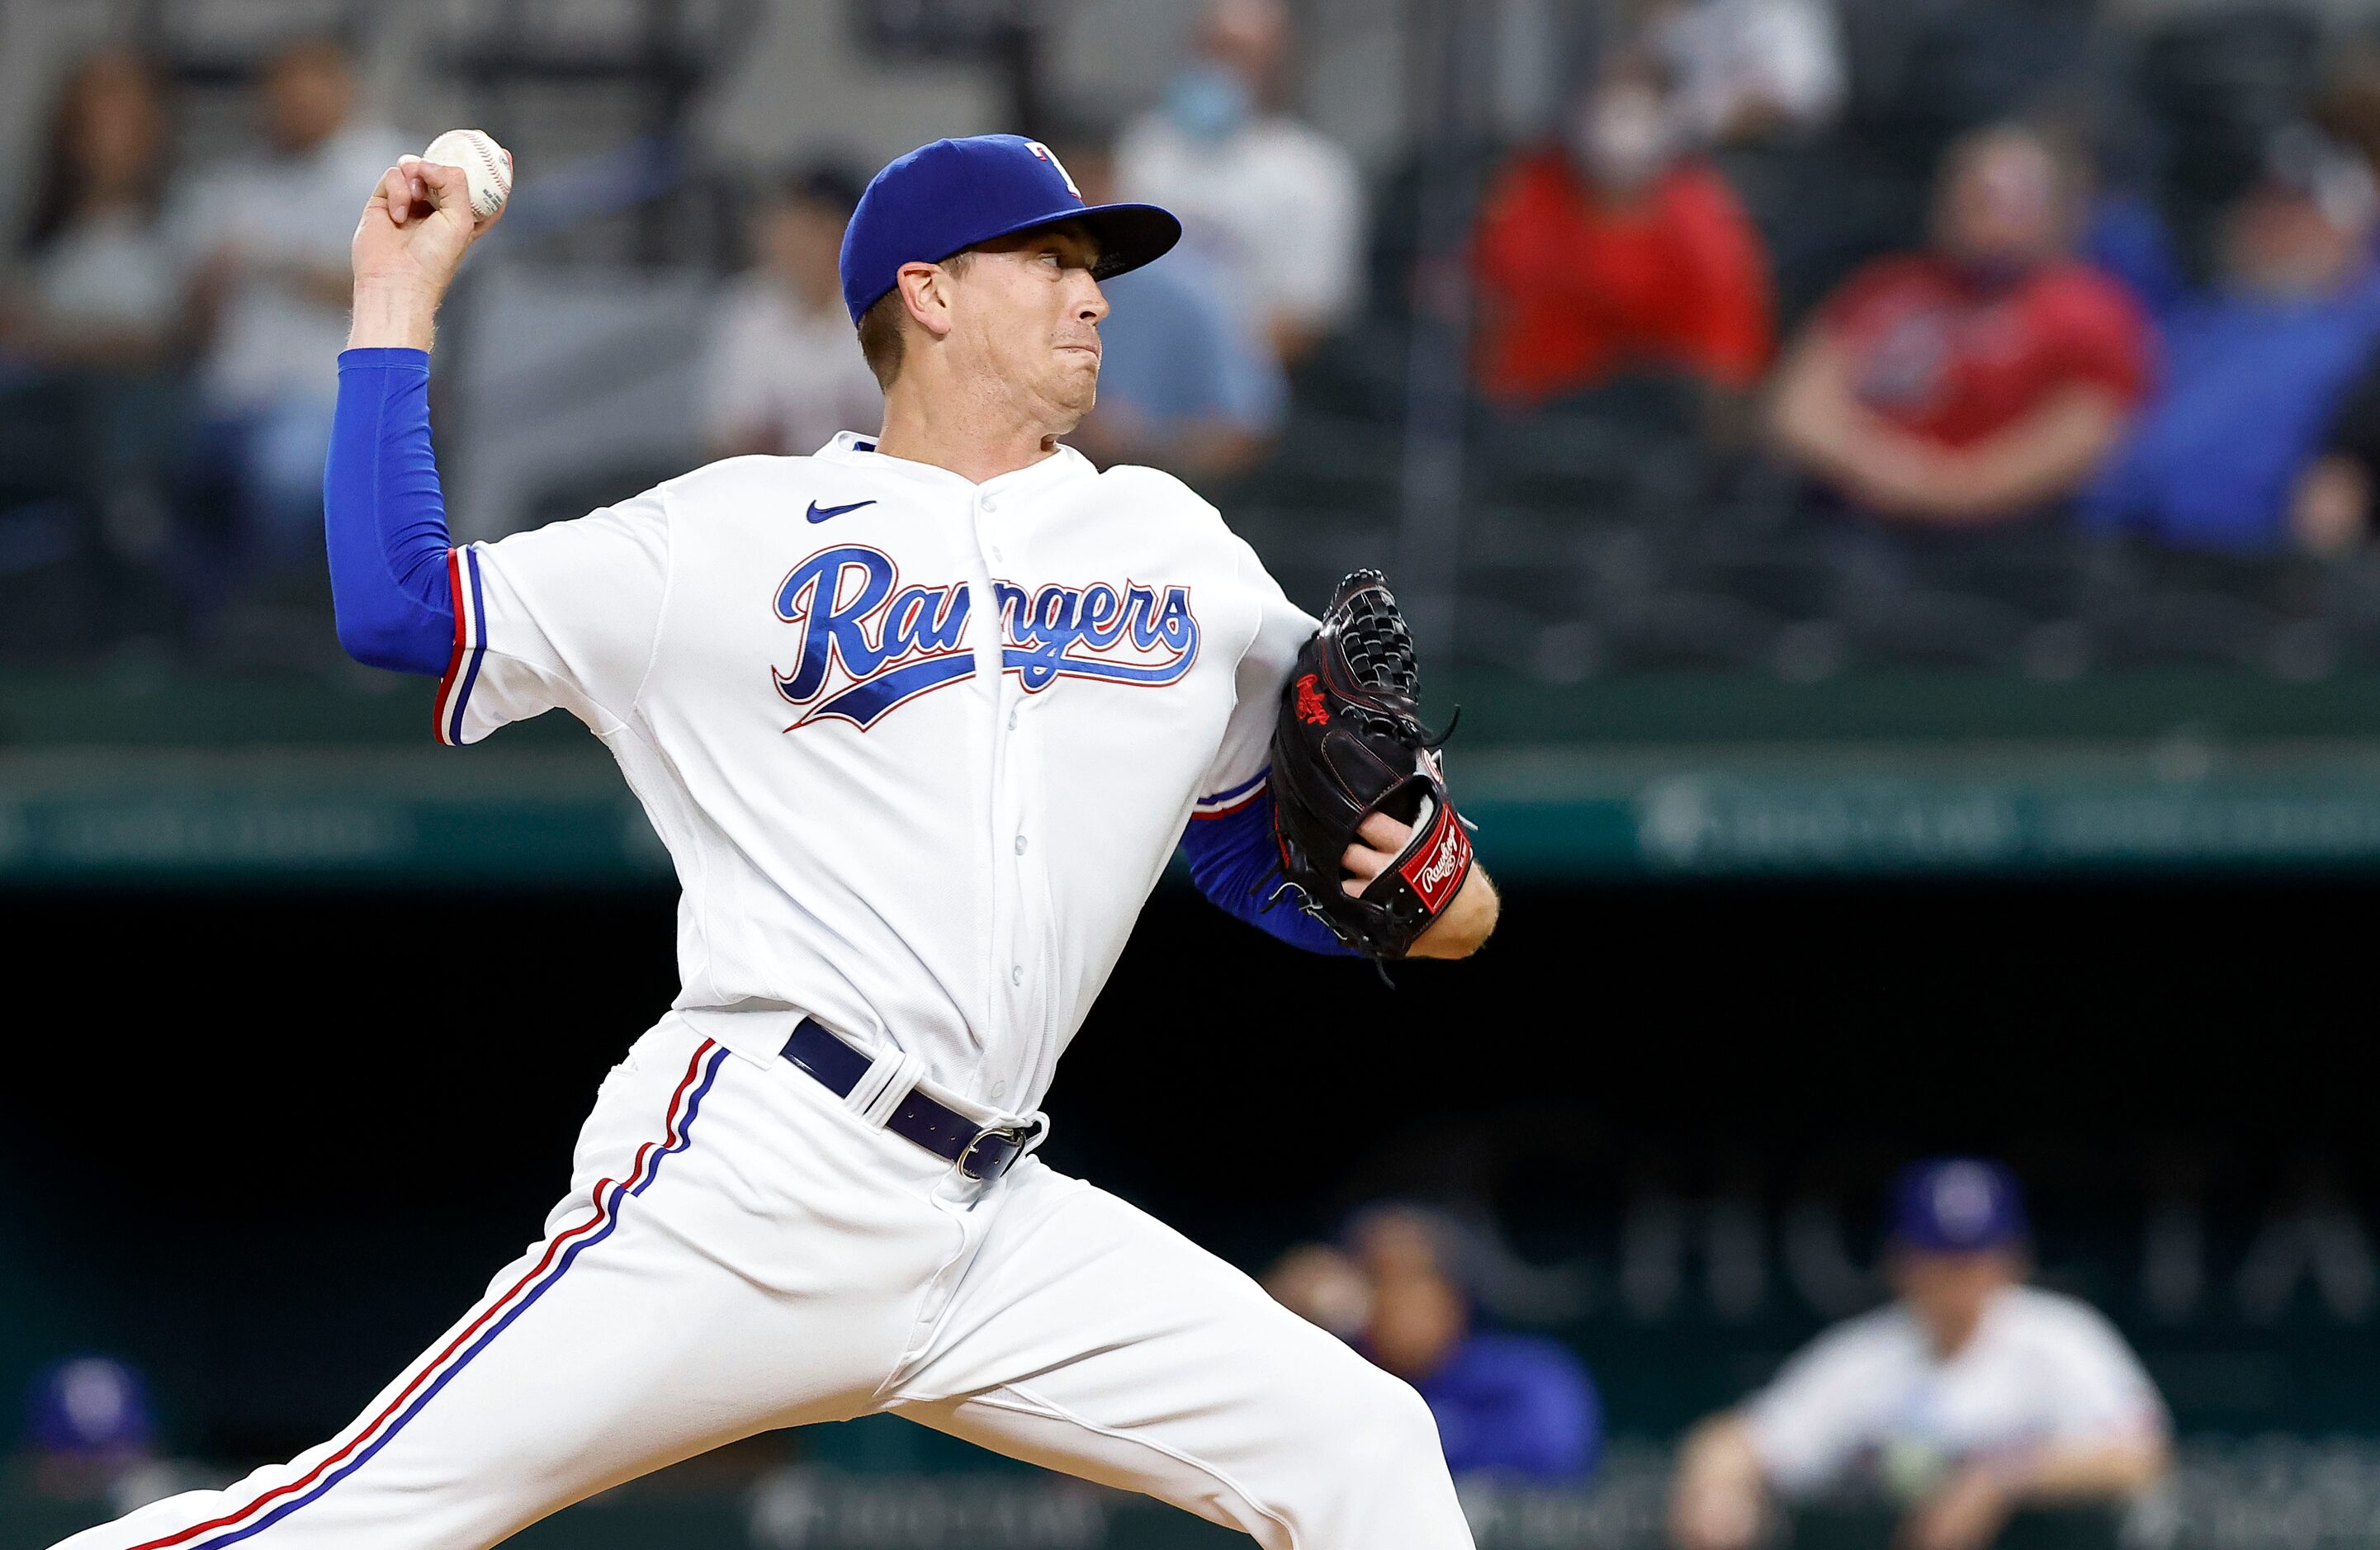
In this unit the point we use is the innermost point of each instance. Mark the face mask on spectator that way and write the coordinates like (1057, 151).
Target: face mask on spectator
(2338, 180)
(1208, 102)
(1621, 136)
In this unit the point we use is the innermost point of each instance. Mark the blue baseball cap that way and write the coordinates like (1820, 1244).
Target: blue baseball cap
(88, 1405)
(947, 197)
(1957, 1206)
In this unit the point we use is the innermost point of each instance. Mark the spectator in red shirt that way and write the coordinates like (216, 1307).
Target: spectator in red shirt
(1981, 381)
(1612, 252)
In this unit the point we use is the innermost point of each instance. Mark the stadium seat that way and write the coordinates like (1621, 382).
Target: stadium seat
(53, 561)
(1927, 70)
(2216, 611)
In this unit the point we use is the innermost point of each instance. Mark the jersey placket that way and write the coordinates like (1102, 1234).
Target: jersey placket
(1022, 961)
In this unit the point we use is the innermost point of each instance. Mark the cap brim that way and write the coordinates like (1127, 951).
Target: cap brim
(1129, 235)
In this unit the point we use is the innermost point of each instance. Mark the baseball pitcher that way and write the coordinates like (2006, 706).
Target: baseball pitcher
(921, 719)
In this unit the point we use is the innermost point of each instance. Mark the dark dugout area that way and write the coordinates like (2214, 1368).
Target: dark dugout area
(267, 1144)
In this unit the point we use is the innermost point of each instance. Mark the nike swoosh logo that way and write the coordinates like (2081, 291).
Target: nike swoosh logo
(820, 514)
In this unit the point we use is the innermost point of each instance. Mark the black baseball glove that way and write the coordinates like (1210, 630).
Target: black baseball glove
(1349, 742)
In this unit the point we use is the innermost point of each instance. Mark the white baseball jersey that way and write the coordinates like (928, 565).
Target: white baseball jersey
(932, 834)
(919, 748)
(2041, 1367)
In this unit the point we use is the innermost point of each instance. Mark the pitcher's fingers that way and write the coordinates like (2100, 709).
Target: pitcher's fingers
(397, 194)
(1383, 832)
(1365, 862)
(445, 187)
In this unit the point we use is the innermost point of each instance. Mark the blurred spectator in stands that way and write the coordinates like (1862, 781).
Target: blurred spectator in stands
(1186, 383)
(1612, 252)
(2331, 511)
(89, 1435)
(1749, 71)
(1512, 1404)
(783, 373)
(2348, 109)
(269, 231)
(1323, 1285)
(2101, 141)
(92, 317)
(96, 282)
(2256, 373)
(1977, 382)
(2332, 508)
(1968, 1396)
(1274, 205)
(2126, 235)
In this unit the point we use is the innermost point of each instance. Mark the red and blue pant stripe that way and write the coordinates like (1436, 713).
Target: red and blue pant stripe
(561, 1252)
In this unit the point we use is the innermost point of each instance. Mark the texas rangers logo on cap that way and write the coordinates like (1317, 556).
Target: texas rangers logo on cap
(1050, 156)
(1957, 1206)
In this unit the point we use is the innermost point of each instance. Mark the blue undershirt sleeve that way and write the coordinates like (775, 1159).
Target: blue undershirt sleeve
(384, 518)
(1236, 864)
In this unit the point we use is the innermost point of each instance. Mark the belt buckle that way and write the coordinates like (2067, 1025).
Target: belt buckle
(1018, 1135)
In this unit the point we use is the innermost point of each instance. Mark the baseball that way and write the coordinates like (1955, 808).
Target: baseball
(487, 165)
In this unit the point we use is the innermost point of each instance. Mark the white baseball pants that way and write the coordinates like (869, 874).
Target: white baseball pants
(741, 1251)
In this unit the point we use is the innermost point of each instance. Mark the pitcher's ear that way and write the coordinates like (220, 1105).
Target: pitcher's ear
(925, 293)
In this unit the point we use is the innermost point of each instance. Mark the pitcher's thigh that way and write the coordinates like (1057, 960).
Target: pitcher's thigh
(615, 1346)
(1090, 1337)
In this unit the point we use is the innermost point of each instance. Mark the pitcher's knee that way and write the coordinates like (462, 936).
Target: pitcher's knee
(1402, 1433)
(1377, 1424)
(1369, 1473)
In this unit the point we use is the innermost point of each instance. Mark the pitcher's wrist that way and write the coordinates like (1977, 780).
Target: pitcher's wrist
(392, 315)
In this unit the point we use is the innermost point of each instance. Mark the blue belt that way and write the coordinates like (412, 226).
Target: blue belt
(940, 1129)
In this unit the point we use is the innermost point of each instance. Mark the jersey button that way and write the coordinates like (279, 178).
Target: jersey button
(1020, 845)
(1016, 974)
(1011, 718)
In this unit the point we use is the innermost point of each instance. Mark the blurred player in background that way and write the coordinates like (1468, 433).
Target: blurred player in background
(1970, 1396)
(1617, 250)
(1517, 1405)
(1268, 201)
(2257, 369)
(783, 372)
(1751, 71)
(268, 235)
(1187, 383)
(94, 283)
(89, 1432)
(1981, 381)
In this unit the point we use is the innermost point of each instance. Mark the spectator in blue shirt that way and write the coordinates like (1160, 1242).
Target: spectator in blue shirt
(1516, 1404)
(2254, 375)
(1512, 1404)
(2332, 509)
(1186, 381)
(2126, 234)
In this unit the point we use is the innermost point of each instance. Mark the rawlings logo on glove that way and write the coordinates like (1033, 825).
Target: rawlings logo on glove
(1444, 860)
(1311, 707)
(1349, 742)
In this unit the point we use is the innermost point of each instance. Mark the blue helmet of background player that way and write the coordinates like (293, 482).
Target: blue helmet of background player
(1957, 1206)
(955, 194)
(1959, 1240)
(89, 1407)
